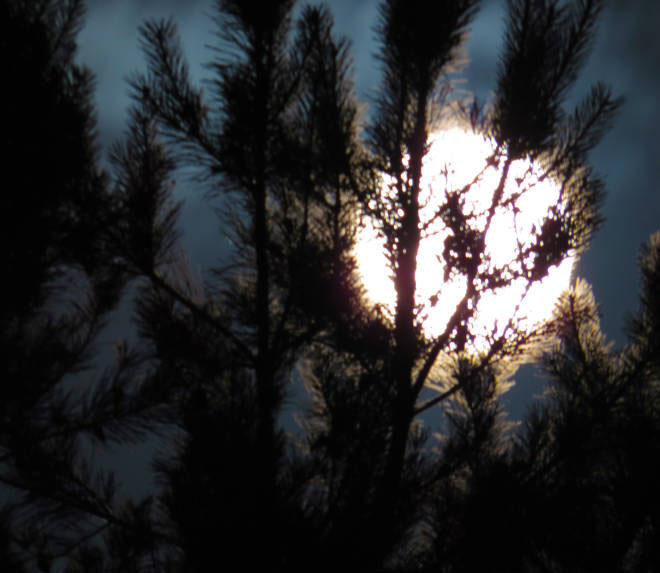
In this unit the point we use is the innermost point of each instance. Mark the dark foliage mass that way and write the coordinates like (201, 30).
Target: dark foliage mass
(63, 277)
(294, 166)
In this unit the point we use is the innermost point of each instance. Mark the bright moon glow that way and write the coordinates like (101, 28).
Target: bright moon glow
(455, 157)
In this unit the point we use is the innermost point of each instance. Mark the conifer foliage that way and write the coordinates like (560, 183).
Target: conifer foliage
(65, 280)
(294, 166)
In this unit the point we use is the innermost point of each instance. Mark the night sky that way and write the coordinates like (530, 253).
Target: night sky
(626, 56)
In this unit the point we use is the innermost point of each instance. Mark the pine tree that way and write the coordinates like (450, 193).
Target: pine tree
(576, 491)
(62, 281)
(295, 166)
(282, 145)
(602, 484)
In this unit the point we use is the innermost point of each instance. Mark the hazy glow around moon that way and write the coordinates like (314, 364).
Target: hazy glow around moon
(454, 159)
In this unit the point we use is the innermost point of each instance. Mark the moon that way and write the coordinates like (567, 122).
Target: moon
(454, 158)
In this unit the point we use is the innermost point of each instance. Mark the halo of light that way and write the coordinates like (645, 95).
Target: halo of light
(454, 158)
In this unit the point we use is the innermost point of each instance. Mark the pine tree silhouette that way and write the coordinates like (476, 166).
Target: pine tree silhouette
(62, 281)
(280, 141)
(575, 491)
(294, 166)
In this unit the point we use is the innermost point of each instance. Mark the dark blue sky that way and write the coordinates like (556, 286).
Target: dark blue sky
(626, 56)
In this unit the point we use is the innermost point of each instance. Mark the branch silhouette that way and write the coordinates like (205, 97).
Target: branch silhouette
(294, 167)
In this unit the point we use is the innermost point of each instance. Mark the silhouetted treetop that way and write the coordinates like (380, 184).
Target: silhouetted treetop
(296, 170)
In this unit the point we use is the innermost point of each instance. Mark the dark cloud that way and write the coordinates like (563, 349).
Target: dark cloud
(626, 56)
